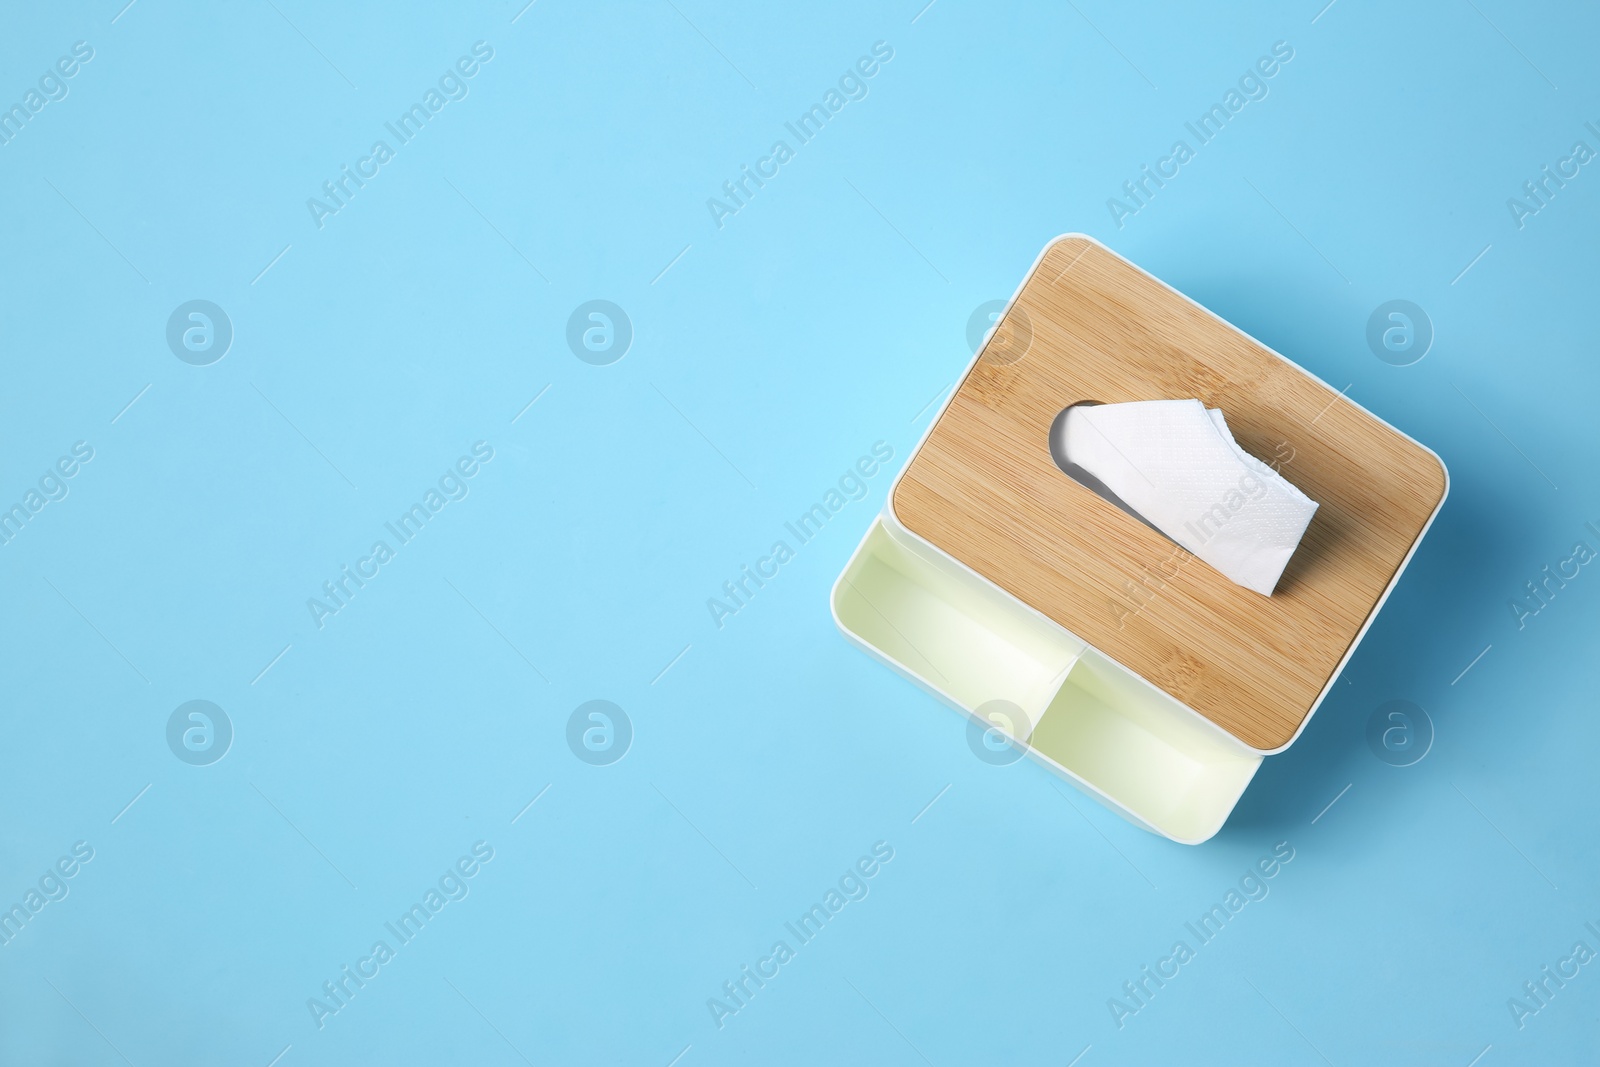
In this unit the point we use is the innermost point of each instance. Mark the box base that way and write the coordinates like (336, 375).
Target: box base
(1092, 722)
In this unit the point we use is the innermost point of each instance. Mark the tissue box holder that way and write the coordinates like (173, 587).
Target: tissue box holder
(1124, 665)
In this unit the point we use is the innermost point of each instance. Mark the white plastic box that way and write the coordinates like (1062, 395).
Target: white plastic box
(1169, 749)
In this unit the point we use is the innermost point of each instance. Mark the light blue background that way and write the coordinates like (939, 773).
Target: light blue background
(824, 317)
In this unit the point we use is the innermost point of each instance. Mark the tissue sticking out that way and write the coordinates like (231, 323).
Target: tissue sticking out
(1175, 465)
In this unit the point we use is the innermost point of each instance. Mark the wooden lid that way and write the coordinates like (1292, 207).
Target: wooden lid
(1089, 325)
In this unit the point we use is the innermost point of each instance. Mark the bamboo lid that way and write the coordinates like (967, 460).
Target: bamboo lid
(1089, 325)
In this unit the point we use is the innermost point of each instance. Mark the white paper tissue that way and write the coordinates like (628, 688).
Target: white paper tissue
(1175, 464)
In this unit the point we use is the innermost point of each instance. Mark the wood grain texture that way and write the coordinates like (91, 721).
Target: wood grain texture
(1088, 325)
